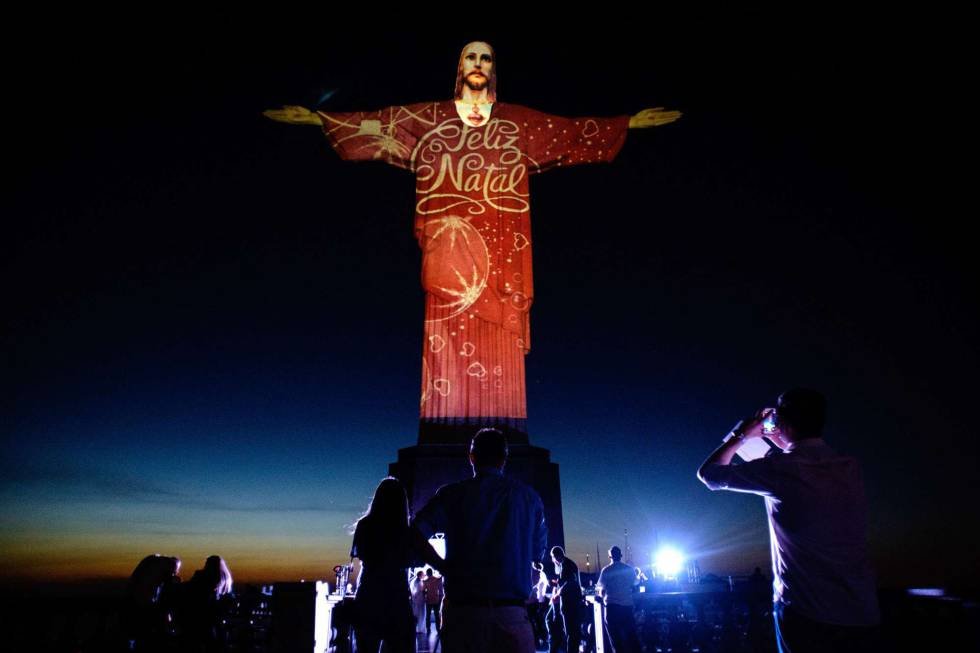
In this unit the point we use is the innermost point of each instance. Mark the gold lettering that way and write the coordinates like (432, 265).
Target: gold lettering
(472, 172)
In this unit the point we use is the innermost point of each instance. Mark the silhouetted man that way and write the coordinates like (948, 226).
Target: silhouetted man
(494, 528)
(568, 593)
(616, 583)
(433, 599)
(823, 584)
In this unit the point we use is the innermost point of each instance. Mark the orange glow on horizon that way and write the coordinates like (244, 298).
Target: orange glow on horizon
(71, 560)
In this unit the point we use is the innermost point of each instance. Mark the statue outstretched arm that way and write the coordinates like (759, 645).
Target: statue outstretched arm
(388, 134)
(653, 118)
(294, 115)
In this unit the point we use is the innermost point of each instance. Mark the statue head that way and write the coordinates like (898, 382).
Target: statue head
(477, 70)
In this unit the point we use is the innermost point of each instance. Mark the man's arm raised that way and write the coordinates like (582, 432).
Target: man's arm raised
(653, 118)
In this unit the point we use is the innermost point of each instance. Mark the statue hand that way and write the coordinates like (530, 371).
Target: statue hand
(293, 115)
(653, 118)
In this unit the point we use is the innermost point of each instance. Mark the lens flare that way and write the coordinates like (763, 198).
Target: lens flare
(669, 562)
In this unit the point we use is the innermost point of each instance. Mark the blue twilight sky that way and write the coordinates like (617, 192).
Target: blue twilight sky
(214, 324)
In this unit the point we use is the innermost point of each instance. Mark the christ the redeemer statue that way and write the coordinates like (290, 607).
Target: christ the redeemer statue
(472, 158)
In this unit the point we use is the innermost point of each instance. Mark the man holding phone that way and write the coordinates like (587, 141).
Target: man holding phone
(823, 584)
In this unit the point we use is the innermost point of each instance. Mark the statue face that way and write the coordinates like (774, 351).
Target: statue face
(477, 65)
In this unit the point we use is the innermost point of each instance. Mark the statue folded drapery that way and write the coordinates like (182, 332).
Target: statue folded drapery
(472, 221)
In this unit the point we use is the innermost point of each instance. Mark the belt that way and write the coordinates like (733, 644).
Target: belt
(472, 602)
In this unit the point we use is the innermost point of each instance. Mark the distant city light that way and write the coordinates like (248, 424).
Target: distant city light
(669, 562)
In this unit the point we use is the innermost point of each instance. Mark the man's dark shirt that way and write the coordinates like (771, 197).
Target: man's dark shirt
(568, 581)
(817, 523)
(494, 527)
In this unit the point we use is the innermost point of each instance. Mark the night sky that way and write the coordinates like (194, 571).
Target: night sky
(213, 331)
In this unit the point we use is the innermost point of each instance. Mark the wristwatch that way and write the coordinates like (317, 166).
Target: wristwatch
(736, 431)
(737, 435)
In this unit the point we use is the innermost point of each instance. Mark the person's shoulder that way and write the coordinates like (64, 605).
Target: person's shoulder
(818, 450)
(516, 482)
(359, 527)
(774, 460)
(452, 489)
(438, 500)
(520, 486)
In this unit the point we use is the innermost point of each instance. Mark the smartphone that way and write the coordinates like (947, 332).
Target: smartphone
(769, 423)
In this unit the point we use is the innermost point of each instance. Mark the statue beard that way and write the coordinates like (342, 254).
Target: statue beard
(476, 82)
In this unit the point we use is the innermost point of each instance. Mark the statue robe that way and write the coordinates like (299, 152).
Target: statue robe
(472, 221)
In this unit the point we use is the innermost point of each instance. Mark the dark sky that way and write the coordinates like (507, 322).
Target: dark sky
(214, 325)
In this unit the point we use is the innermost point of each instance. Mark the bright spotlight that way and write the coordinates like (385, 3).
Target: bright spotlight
(669, 562)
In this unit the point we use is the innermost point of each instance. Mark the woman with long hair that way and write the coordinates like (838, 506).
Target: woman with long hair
(382, 609)
(215, 577)
(147, 616)
(201, 607)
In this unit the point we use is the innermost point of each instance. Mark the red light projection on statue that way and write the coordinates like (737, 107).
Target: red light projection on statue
(472, 221)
